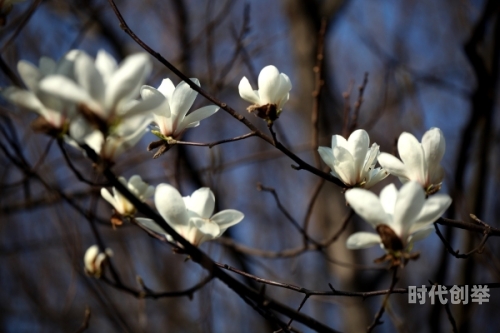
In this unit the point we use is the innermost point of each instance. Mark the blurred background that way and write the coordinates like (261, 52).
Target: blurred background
(428, 64)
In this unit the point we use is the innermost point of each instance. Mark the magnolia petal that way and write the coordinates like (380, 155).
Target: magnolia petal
(66, 64)
(151, 225)
(283, 101)
(371, 158)
(227, 218)
(115, 145)
(436, 174)
(79, 129)
(167, 88)
(196, 116)
(30, 74)
(412, 155)
(46, 66)
(420, 234)
(156, 97)
(388, 198)
(206, 227)
(362, 240)
(106, 65)
(95, 140)
(108, 197)
(374, 176)
(338, 140)
(367, 205)
(182, 100)
(140, 188)
(126, 81)
(434, 146)
(148, 92)
(202, 202)
(129, 126)
(393, 165)
(141, 107)
(269, 80)
(326, 155)
(433, 208)
(190, 125)
(164, 124)
(89, 78)
(247, 93)
(358, 144)
(65, 88)
(411, 199)
(282, 90)
(89, 259)
(122, 206)
(23, 98)
(170, 205)
(344, 165)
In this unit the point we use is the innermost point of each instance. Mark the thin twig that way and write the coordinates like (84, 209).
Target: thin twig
(347, 109)
(357, 105)
(289, 217)
(319, 83)
(336, 235)
(21, 26)
(86, 321)
(212, 144)
(310, 205)
(469, 226)
(304, 300)
(148, 293)
(450, 317)
(456, 254)
(73, 168)
(376, 320)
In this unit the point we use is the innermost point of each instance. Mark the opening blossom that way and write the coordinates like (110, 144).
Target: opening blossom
(191, 216)
(353, 161)
(400, 217)
(94, 260)
(272, 94)
(171, 116)
(135, 185)
(420, 161)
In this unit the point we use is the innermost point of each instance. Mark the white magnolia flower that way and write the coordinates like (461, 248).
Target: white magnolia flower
(353, 160)
(400, 218)
(272, 94)
(420, 161)
(124, 136)
(94, 260)
(135, 185)
(104, 92)
(56, 112)
(191, 216)
(171, 115)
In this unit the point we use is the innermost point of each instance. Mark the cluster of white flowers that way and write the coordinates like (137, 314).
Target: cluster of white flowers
(93, 102)
(400, 218)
